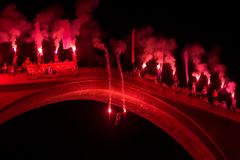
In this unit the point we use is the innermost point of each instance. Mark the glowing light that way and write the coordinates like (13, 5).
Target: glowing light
(109, 110)
(222, 85)
(158, 66)
(56, 51)
(233, 95)
(15, 48)
(40, 50)
(74, 48)
(144, 65)
(124, 110)
(209, 81)
(173, 72)
(197, 77)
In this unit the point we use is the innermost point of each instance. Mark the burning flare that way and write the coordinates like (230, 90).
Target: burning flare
(56, 50)
(14, 48)
(74, 49)
(144, 65)
(40, 51)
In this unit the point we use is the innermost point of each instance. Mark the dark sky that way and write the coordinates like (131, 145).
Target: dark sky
(82, 130)
(209, 23)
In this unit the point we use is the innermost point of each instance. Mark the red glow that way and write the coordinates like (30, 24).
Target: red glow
(197, 76)
(173, 72)
(222, 84)
(158, 66)
(133, 46)
(74, 48)
(233, 95)
(144, 65)
(209, 81)
(124, 110)
(15, 48)
(109, 110)
(40, 50)
(56, 51)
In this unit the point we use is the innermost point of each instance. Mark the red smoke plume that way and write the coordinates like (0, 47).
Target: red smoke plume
(98, 44)
(215, 64)
(83, 15)
(196, 52)
(47, 19)
(12, 24)
(118, 46)
(160, 48)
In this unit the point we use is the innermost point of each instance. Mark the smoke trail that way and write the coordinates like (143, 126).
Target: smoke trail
(83, 15)
(38, 39)
(66, 37)
(202, 68)
(144, 43)
(171, 45)
(100, 45)
(57, 33)
(38, 35)
(12, 25)
(156, 47)
(230, 88)
(47, 19)
(120, 47)
(185, 56)
(215, 65)
(196, 52)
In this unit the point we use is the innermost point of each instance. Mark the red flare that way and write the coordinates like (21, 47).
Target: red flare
(158, 66)
(74, 48)
(144, 65)
(109, 110)
(233, 95)
(173, 73)
(222, 84)
(15, 48)
(124, 110)
(197, 77)
(56, 51)
(40, 50)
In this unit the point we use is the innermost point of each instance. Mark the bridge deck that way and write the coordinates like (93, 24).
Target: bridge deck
(221, 125)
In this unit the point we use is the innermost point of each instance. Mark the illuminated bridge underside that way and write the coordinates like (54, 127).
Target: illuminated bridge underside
(204, 131)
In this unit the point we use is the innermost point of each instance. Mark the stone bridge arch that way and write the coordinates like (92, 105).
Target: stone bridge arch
(177, 124)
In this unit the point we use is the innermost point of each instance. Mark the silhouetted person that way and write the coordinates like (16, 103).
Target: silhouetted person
(194, 87)
(5, 68)
(215, 97)
(56, 59)
(204, 93)
(233, 106)
(27, 62)
(118, 118)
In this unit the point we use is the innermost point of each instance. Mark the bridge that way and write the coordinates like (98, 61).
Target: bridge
(204, 131)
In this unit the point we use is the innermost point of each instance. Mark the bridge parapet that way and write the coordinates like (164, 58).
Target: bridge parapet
(214, 130)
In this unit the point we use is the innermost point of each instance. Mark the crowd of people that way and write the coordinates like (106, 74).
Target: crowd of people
(5, 68)
(15, 68)
(205, 94)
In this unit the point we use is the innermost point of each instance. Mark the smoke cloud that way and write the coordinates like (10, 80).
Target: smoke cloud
(13, 23)
(118, 46)
(214, 63)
